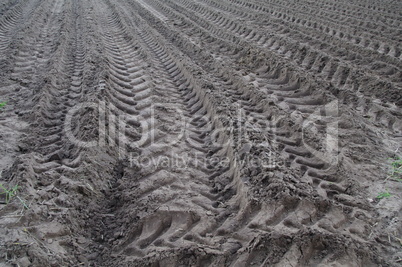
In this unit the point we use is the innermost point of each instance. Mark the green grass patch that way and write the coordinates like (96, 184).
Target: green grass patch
(3, 104)
(383, 195)
(11, 193)
(396, 169)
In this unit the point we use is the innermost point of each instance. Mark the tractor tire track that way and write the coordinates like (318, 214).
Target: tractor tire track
(183, 220)
(200, 133)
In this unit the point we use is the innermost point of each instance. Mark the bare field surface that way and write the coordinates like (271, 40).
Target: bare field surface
(200, 133)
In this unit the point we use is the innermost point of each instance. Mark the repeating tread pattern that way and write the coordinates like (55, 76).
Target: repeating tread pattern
(201, 132)
(184, 221)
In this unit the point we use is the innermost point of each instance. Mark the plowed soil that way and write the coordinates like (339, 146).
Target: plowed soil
(200, 133)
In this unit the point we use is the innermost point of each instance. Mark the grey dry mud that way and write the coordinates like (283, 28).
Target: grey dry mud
(200, 133)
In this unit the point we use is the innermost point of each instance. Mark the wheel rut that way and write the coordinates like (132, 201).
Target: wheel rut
(200, 133)
(183, 203)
